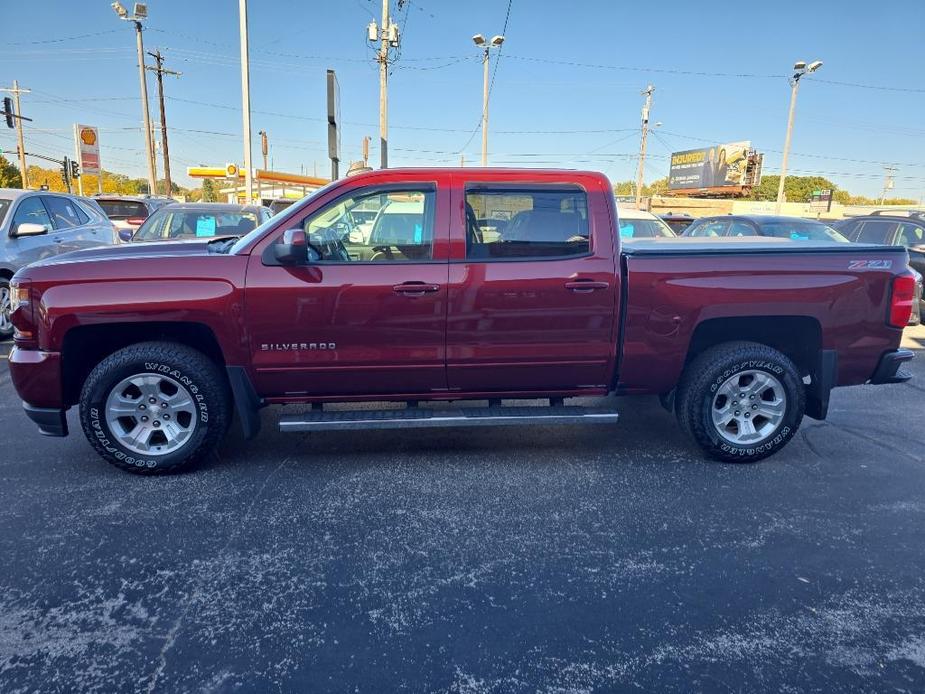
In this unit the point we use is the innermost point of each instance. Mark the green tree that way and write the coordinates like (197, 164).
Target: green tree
(208, 191)
(9, 174)
(796, 188)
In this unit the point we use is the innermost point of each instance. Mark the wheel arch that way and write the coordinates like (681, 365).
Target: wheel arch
(85, 346)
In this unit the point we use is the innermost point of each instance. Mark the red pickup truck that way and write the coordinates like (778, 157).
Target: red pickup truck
(410, 285)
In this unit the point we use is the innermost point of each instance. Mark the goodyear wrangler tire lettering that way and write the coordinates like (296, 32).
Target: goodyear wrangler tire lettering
(699, 391)
(203, 380)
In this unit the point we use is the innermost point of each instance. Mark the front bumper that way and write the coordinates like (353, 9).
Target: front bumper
(888, 370)
(36, 375)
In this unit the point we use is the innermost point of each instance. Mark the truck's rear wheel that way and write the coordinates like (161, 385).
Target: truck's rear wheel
(741, 401)
(155, 407)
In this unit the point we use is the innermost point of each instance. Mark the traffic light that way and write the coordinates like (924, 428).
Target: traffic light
(66, 170)
(75, 169)
(8, 111)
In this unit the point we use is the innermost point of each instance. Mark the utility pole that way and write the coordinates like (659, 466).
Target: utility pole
(160, 71)
(387, 36)
(640, 172)
(800, 68)
(887, 182)
(366, 151)
(246, 103)
(16, 91)
(264, 147)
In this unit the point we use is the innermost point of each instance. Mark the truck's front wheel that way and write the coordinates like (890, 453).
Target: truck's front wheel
(155, 407)
(741, 401)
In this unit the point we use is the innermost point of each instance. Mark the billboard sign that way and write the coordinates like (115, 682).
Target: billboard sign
(88, 148)
(720, 166)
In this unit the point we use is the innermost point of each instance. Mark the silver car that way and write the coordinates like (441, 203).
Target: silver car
(35, 224)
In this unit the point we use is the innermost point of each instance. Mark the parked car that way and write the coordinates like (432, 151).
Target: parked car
(557, 307)
(906, 228)
(128, 212)
(636, 224)
(794, 228)
(37, 224)
(200, 220)
(677, 221)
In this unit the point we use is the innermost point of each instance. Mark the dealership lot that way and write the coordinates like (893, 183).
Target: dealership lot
(474, 560)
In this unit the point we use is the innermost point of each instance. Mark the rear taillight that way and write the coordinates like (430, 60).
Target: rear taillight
(901, 299)
(136, 221)
(22, 312)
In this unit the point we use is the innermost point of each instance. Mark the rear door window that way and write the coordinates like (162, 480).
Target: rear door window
(910, 235)
(742, 229)
(878, 231)
(526, 223)
(64, 213)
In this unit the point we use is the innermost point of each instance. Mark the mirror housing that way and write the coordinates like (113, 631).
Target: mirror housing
(125, 235)
(30, 229)
(293, 249)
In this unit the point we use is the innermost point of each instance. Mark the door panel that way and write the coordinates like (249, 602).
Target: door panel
(344, 329)
(540, 324)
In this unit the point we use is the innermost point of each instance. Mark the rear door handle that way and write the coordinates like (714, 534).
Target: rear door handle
(415, 288)
(585, 286)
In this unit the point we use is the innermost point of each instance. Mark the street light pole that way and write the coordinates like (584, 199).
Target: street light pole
(495, 42)
(149, 144)
(246, 103)
(800, 68)
(140, 12)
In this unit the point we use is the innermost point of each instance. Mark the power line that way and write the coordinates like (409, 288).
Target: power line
(62, 39)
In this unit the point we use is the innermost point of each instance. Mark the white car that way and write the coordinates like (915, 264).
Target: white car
(636, 224)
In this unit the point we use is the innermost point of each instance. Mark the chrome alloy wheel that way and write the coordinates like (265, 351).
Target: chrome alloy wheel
(6, 307)
(749, 407)
(151, 414)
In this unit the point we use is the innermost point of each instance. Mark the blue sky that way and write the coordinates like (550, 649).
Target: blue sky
(604, 54)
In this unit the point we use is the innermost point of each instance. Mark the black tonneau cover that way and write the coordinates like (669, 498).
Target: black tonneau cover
(744, 245)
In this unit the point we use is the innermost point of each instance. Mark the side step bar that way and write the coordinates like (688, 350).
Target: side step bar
(422, 418)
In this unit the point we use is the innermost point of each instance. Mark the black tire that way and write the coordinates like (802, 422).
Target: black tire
(204, 380)
(5, 332)
(705, 374)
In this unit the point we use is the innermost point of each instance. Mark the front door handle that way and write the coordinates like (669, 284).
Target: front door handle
(586, 286)
(415, 288)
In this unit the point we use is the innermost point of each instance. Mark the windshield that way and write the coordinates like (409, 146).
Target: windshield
(169, 223)
(4, 206)
(801, 230)
(644, 229)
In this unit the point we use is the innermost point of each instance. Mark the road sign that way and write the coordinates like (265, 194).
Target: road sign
(821, 200)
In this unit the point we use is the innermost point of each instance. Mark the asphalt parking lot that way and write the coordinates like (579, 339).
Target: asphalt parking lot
(554, 560)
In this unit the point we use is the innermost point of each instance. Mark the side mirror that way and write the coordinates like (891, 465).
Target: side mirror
(30, 229)
(293, 250)
(125, 235)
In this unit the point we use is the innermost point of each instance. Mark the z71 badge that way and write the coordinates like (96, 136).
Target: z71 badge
(870, 264)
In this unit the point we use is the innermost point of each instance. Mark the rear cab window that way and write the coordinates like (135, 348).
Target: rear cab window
(526, 223)
(123, 209)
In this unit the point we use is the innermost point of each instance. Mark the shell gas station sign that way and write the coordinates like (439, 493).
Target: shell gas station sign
(87, 139)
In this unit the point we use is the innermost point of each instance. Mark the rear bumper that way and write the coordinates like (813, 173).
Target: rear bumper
(888, 370)
(51, 421)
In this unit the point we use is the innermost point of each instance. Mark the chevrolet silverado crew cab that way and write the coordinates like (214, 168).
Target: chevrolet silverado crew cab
(418, 287)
